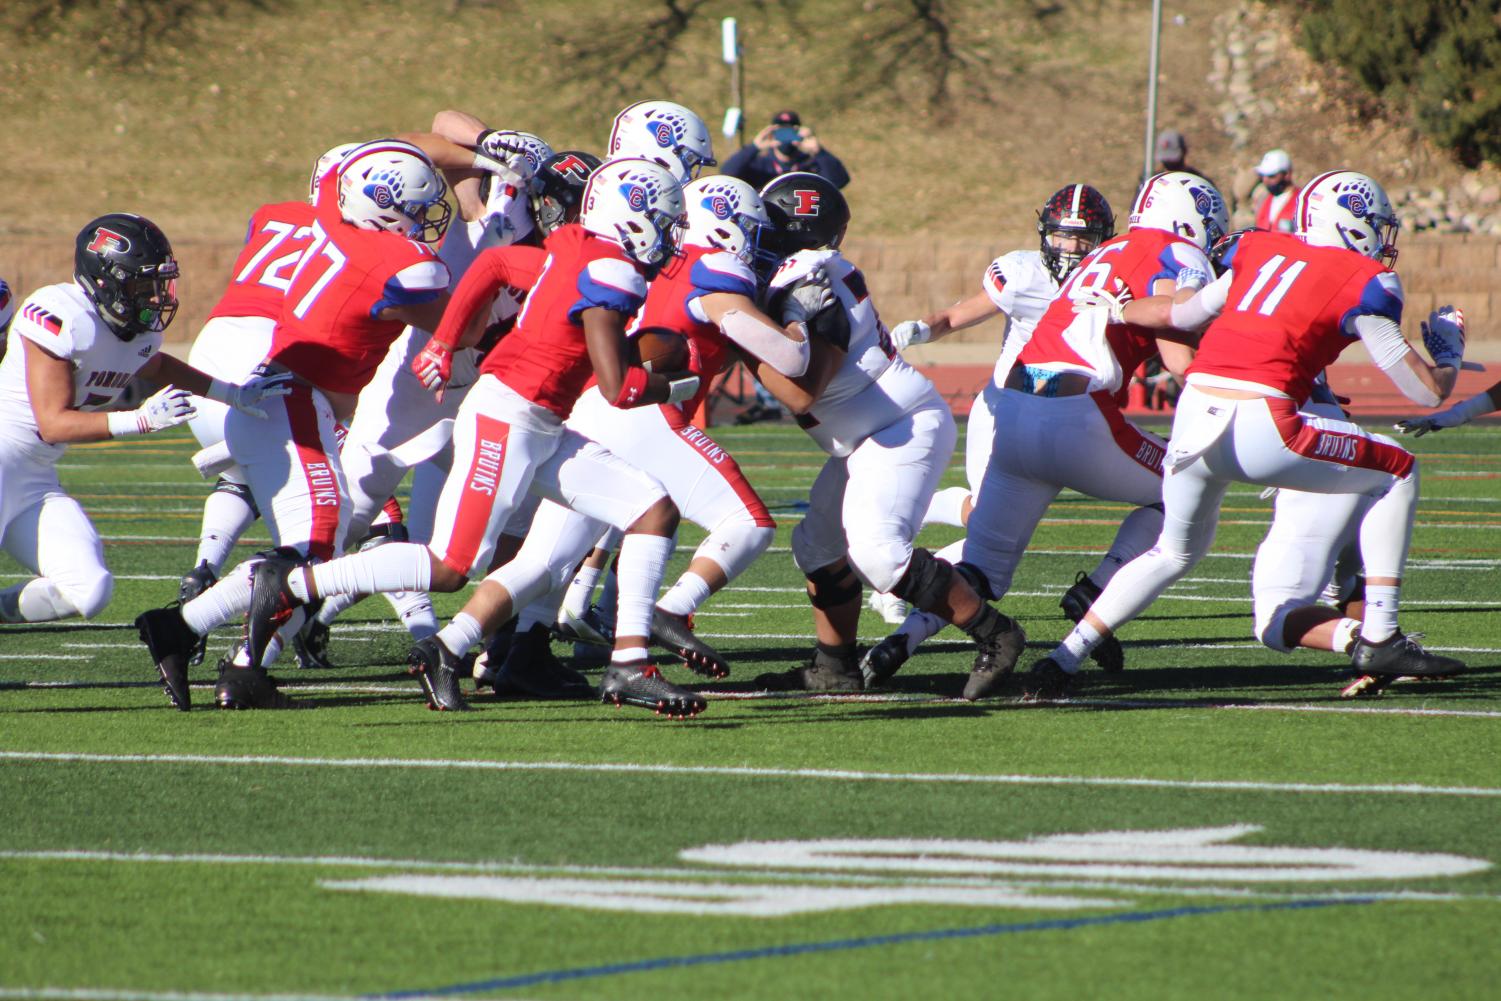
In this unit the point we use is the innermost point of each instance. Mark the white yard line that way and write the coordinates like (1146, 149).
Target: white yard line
(814, 774)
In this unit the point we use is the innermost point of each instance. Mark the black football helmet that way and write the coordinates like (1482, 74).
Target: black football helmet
(1222, 248)
(1076, 210)
(125, 266)
(558, 187)
(807, 212)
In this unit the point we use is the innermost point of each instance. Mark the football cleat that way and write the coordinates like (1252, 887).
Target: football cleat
(1047, 681)
(826, 672)
(672, 632)
(310, 644)
(1001, 640)
(641, 684)
(1377, 665)
(486, 666)
(891, 609)
(248, 688)
(530, 669)
(438, 671)
(271, 602)
(1109, 654)
(592, 627)
(171, 643)
(884, 659)
(194, 583)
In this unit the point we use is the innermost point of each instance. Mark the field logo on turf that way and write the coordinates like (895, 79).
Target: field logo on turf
(922, 871)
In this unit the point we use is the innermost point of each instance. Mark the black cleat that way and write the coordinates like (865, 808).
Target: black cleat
(1047, 682)
(641, 684)
(438, 671)
(171, 643)
(826, 672)
(310, 644)
(1109, 654)
(672, 632)
(1377, 665)
(194, 583)
(1001, 640)
(271, 602)
(884, 659)
(248, 688)
(530, 669)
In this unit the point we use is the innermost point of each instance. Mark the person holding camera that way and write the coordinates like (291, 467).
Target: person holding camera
(784, 146)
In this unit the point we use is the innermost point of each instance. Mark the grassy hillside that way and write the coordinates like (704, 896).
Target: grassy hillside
(201, 123)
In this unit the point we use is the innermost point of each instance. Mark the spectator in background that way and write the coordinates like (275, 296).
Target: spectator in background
(1172, 148)
(1276, 208)
(783, 146)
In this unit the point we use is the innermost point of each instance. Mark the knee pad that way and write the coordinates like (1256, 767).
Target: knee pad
(810, 552)
(926, 583)
(1271, 623)
(91, 596)
(977, 579)
(735, 546)
(881, 563)
(833, 586)
(240, 490)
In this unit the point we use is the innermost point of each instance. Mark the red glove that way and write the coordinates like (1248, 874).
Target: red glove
(433, 367)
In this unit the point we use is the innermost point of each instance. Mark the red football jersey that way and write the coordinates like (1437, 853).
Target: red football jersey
(1287, 313)
(328, 331)
(1137, 260)
(545, 358)
(276, 238)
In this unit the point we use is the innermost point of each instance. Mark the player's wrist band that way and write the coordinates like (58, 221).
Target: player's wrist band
(632, 387)
(124, 422)
(218, 391)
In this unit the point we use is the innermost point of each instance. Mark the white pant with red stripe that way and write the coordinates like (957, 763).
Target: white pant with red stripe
(504, 446)
(1266, 441)
(1081, 443)
(868, 506)
(227, 348)
(291, 463)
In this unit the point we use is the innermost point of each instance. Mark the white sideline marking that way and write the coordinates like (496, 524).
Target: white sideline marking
(821, 774)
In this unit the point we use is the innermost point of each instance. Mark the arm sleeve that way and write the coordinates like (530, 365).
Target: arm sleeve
(766, 342)
(1389, 350)
(498, 267)
(1206, 304)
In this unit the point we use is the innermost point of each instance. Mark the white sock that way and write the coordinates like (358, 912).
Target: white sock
(334, 606)
(225, 518)
(460, 634)
(947, 507)
(226, 600)
(415, 609)
(1137, 534)
(283, 636)
(643, 561)
(1076, 646)
(35, 600)
(1345, 631)
(1380, 612)
(684, 597)
(580, 590)
(396, 566)
(918, 628)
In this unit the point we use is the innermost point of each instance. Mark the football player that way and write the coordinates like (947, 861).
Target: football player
(510, 439)
(888, 435)
(366, 275)
(1289, 304)
(1021, 284)
(79, 344)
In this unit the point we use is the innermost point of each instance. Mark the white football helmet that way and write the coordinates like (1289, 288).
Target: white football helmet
(1344, 208)
(725, 213)
(392, 185)
(1184, 204)
(666, 133)
(638, 204)
(328, 161)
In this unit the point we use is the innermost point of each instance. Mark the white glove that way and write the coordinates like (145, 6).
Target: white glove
(910, 332)
(168, 408)
(682, 389)
(1098, 298)
(1444, 336)
(247, 398)
(505, 158)
(808, 297)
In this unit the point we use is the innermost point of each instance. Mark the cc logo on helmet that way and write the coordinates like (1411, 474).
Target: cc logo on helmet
(720, 206)
(380, 195)
(1203, 204)
(107, 240)
(806, 200)
(1355, 202)
(662, 131)
(635, 196)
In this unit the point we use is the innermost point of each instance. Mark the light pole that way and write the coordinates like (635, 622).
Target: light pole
(1148, 160)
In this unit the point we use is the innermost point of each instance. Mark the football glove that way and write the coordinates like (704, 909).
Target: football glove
(910, 332)
(1444, 336)
(168, 407)
(247, 398)
(1453, 417)
(505, 158)
(1099, 298)
(433, 366)
(807, 297)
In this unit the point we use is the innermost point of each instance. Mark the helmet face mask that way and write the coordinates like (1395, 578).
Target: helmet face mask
(393, 186)
(1345, 208)
(1183, 204)
(638, 204)
(807, 212)
(1073, 222)
(666, 133)
(557, 189)
(727, 214)
(126, 267)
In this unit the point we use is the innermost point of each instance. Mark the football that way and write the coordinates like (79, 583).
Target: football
(660, 349)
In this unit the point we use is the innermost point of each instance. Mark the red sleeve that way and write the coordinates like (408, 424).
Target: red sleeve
(516, 267)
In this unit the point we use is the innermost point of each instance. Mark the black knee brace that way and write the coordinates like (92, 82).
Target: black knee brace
(833, 585)
(926, 583)
(240, 490)
(976, 579)
(391, 531)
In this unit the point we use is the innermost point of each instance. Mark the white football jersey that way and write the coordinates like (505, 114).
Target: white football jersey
(1021, 286)
(61, 320)
(873, 387)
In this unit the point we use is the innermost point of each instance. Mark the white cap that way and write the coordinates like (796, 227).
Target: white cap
(1275, 162)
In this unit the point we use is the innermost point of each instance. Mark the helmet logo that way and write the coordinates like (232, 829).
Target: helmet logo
(720, 206)
(662, 132)
(107, 240)
(635, 196)
(806, 201)
(1355, 202)
(571, 166)
(380, 195)
(1203, 204)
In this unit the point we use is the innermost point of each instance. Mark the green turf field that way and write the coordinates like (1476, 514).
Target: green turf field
(1213, 823)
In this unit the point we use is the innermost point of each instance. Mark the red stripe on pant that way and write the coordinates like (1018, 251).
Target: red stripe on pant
(392, 510)
(722, 463)
(322, 484)
(1338, 447)
(1141, 449)
(471, 521)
